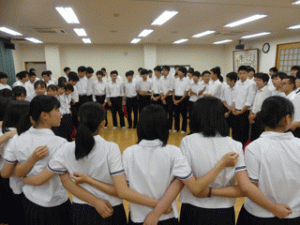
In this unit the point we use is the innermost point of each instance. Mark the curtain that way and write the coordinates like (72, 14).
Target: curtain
(7, 63)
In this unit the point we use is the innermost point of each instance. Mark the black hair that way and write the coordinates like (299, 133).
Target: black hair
(274, 69)
(166, 68)
(205, 71)
(298, 75)
(251, 69)
(52, 87)
(3, 106)
(221, 79)
(62, 85)
(139, 69)
(281, 75)
(191, 70)
(265, 77)
(177, 66)
(89, 70)
(22, 74)
(69, 87)
(3, 75)
(16, 110)
(232, 76)
(153, 124)
(46, 73)
(91, 114)
(274, 109)
(66, 69)
(182, 69)
(197, 74)
(31, 74)
(157, 68)
(73, 76)
(244, 68)
(292, 80)
(176, 74)
(216, 70)
(31, 71)
(103, 69)
(18, 91)
(99, 72)
(62, 80)
(128, 73)
(39, 104)
(207, 117)
(49, 72)
(40, 82)
(150, 71)
(295, 68)
(81, 69)
(114, 72)
(132, 71)
(143, 72)
(6, 93)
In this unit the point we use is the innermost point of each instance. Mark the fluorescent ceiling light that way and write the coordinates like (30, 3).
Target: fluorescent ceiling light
(246, 20)
(80, 32)
(86, 40)
(294, 27)
(164, 17)
(204, 33)
(9, 31)
(180, 41)
(145, 33)
(296, 3)
(68, 14)
(222, 42)
(255, 35)
(33, 40)
(135, 40)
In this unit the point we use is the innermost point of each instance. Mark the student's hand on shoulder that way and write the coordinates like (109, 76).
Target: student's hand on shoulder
(281, 211)
(80, 178)
(230, 159)
(40, 152)
(103, 208)
(151, 219)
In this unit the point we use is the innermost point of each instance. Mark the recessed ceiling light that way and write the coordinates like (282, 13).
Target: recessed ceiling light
(255, 35)
(86, 40)
(294, 27)
(33, 40)
(68, 14)
(296, 3)
(222, 42)
(9, 31)
(164, 17)
(80, 32)
(145, 33)
(135, 40)
(246, 20)
(180, 41)
(204, 34)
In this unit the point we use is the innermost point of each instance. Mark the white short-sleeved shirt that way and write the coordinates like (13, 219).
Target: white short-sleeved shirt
(259, 98)
(196, 88)
(296, 103)
(82, 85)
(52, 193)
(273, 161)
(156, 85)
(144, 86)
(64, 103)
(90, 86)
(3, 86)
(102, 163)
(18, 83)
(215, 88)
(275, 92)
(291, 96)
(75, 95)
(50, 82)
(228, 95)
(150, 169)
(167, 84)
(206, 86)
(245, 93)
(114, 89)
(99, 88)
(203, 154)
(30, 87)
(130, 89)
(181, 86)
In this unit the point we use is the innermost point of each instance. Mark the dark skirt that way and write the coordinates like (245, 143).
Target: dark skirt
(172, 221)
(192, 215)
(39, 215)
(245, 218)
(6, 196)
(83, 214)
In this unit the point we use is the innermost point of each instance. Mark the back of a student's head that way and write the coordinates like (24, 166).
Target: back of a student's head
(207, 117)
(6, 93)
(153, 124)
(3, 106)
(62, 80)
(91, 118)
(19, 93)
(232, 76)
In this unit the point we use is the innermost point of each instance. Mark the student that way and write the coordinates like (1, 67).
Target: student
(23, 78)
(6, 93)
(29, 85)
(245, 93)
(32, 70)
(215, 86)
(130, 92)
(294, 70)
(189, 76)
(144, 91)
(52, 80)
(288, 86)
(167, 84)
(195, 91)
(115, 93)
(52, 90)
(99, 92)
(82, 86)
(19, 93)
(176, 71)
(262, 93)
(181, 88)
(105, 77)
(297, 82)
(62, 80)
(150, 77)
(272, 71)
(268, 160)
(47, 78)
(205, 78)
(89, 75)
(251, 72)
(3, 81)
(67, 70)
(277, 80)
(40, 88)
(73, 79)
(156, 86)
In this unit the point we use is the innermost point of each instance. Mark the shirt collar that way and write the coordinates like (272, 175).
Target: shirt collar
(263, 89)
(277, 136)
(150, 143)
(41, 131)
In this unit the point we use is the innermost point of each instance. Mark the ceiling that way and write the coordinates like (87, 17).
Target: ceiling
(119, 21)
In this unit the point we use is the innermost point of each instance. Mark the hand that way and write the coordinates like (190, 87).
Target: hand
(227, 114)
(164, 102)
(123, 103)
(104, 104)
(80, 178)
(40, 153)
(151, 219)
(109, 104)
(281, 211)
(204, 193)
(204, 89)
(168, 210)
(11, 133)
(251, 121)
(103, 208)
(230, 159)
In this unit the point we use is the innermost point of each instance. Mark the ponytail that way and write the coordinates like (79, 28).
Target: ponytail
(84, 141)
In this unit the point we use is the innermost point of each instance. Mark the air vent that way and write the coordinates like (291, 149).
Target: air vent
(48, 30)
(228, 33)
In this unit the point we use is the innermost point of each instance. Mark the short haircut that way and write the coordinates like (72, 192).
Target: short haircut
(41, 83)
(298, 75)
(216, 70)
(295, 68)
(232, 76)
(274, 69)
(3, 75)
(292, 80)
(18, 91)
(66, 69)
(103, 69)
(132, 71)
(177, 66)
(52, 87)
(191, 70)
(281, 75)
(62, 80)
(144, 72)
(128, 73)
(243, 68)
(182, 69)
(166, 68)
(89, 70)
(274, 109)
(31, 70)
(49, 72)
(263, 76)
(139, 69)
(22, 74)
(31, 74)
(99, 72)
(197, 74)
(69, 87)
(3, 106)
(157, 68)
(73, 76)
(153, 124)
(150, 71)
(251, 69)
(45, 73)
(114, 72)
(205, 72)
(81, 69)
(62, 85)
(207, 117)
(6, 93)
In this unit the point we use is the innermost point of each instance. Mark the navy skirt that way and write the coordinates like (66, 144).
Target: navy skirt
(172, 221)
(83, 214)
(192, 215)
(245, 218)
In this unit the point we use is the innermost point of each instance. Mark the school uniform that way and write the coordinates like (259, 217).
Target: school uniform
(102, 163)
(144, 100)
(106, 79)
(75, 97)
(228, 95)
(275, 92)
(167, 84)
(157, 90)
(196, 88)
(18, 83)
(210, 150)
(215, 88)
(130, 91)
(99, 93)
(114, 91)
(30, 87)
(291, 96)
(50, 82)
(245, 93)
(82, 88)
(66, 125)
(5, 86)
(89, 89)
(297, 91)
(271, 85)
(41, 203)
(150, 169)
(180, 87)
(206, 86)
(271, 161)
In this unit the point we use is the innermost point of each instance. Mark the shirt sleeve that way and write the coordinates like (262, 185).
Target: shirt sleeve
(250, 95)
(10, 151)
(107, 91)
(121, 89)
(56, 163)
(240, 165)
(252, 163)
(181, 168)
(114, 161)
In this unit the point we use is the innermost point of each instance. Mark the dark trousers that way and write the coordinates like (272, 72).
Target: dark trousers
(180, 109)
(156, 102)
(256, 129)
(169, 110)
(240, 128)
(101, 99)
(190, 107)
(132, 105)
(143, 102)
(171, 221)
(82, 99)
(66, 127)
(89, 98)
(116, 106)
(74, 115)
